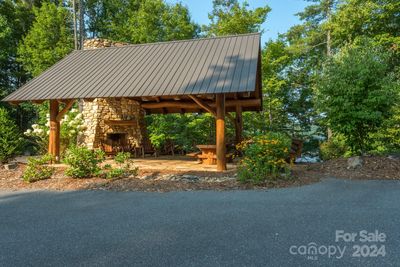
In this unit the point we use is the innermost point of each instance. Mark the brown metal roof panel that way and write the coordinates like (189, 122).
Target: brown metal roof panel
(160, 85)
(194, 71)
(205, 72)
(118, 90)
(252, 74)
(127, 62)
(176, 69)
(211, 65)
(86, 73)
(127, 87)
(132, 71)
(179, 87)
(173, 61)
(220, 73)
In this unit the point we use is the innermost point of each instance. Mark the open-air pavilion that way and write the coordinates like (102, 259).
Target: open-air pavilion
(217, 75)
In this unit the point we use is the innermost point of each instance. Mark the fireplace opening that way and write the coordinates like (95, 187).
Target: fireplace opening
(115, 142)
(116, 138)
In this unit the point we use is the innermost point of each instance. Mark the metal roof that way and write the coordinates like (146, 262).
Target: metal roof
(199, 66)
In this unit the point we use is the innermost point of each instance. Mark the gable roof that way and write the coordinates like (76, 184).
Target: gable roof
(200, 66)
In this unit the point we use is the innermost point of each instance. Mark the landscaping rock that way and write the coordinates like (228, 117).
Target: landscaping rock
(354, 162)
(191, 178)
(11, 166)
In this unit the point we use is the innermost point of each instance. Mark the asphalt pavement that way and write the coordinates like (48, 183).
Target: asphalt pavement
(330, 223)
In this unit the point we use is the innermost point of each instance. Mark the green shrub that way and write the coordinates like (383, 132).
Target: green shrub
(116, 173)
(107, 167)
(334, 148)
(83, 162)
(122, 157)
(264, 158)
(11, 142)
(125, 167)
(38, 169)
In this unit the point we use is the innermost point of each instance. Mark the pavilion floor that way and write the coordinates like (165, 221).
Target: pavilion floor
(162, 163)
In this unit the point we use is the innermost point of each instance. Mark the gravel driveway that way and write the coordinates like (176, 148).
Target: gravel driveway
(203, 228)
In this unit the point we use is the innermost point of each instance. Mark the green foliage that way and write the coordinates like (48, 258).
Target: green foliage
(11, 142)
(333, 148)
(83, 162)
(230, 17)
(107, 167)
(140, 21)
(185, 131)
(125, 167)
(377, 19)
(38, 169)
(116, 173)
(122, 157)
(357, 92)
(49, 39)
(264, 158)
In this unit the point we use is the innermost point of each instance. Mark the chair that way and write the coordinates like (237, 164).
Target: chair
(146, 148)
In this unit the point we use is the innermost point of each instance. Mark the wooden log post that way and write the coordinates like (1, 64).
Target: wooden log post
(238, 125)
(54, 135)
(220, 132)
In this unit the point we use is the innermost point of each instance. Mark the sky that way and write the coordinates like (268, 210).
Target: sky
(279, 20)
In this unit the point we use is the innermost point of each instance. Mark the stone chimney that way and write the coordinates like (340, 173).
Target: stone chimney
(111, 123)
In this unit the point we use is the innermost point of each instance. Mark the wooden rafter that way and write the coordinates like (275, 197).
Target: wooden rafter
(62, 112)
(202, 104)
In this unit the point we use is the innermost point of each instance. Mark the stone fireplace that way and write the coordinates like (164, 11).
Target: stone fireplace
(112, 123)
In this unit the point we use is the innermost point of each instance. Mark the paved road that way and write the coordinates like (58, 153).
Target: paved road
(203, 228)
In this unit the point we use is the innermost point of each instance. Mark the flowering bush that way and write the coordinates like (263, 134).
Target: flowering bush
(264, 158)
(71, 126)
(38, 169)
(83, 162)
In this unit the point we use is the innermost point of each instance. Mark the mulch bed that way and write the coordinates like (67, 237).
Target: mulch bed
(151, 181)
(373, 168)
(11, 180)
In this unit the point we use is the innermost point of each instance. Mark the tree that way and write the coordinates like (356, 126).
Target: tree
(275, 62)
(16, 17)
(49, 39)
(11, 142)
(376, 19)
(356, 92)
(140, 21)
(230, 17)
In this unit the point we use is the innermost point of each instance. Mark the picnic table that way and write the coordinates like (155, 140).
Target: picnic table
(208, 154)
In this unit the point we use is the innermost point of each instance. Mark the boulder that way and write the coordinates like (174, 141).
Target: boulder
(354, 162)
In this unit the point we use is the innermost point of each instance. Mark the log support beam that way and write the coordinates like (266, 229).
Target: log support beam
(238, 125)
(191, 105)
(56, 116)
(67, 107)
(220, 132)
(54, 135)
(203, 105)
